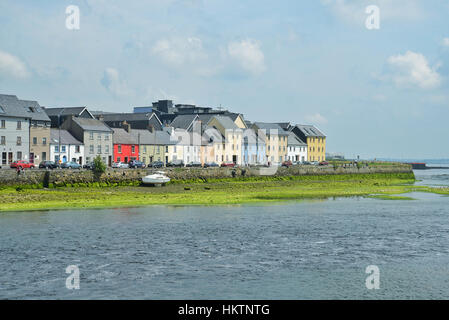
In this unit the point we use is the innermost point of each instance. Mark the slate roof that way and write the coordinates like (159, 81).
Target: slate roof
(35, 111)
(127, 116)
(284, 125)
(310, 130)
(293, 140)
(183, 121)
(91, 124)
(226, 122)
(152, 138)
(66, 111)
(121, 136)
(12, 107)
(269, 127)
(66, 137)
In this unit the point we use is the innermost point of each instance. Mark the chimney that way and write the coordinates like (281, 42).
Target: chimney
(126, 126)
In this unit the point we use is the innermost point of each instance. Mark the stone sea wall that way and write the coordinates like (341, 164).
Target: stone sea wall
(61, 177)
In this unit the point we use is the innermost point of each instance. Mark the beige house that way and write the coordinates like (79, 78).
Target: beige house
(276, 141)
(230, 148)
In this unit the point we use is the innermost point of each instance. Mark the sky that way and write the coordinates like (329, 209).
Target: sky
(374, 92)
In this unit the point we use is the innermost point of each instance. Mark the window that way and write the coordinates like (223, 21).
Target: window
(91, 149)
(19, 125)
(19, 155)
(44, 156)
(158, 150)
(99, 136)
(133, 149)
(106, 149)
(19, 141)
(77, 149)
(174, 148)
(99, 149)
(166, 148)
(118, 159)
(63, 148)
(119, 148)
(106, 136)
(34, 140)
(91, 136)
(3, 140)
(87, 159)
(56, 148)
(3, 124)
(44, 141)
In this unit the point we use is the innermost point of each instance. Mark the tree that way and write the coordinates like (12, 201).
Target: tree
(99, 167)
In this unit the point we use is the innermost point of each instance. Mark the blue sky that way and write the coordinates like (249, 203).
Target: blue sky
(375, 93)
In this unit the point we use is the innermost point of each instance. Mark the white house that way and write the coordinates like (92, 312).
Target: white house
(64, 147)
(296, 149)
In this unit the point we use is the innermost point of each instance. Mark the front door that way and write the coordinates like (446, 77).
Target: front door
(9, 157)
(3, 157)
(234, 158)
(32, 157)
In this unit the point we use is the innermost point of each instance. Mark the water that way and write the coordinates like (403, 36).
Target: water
(304, 250)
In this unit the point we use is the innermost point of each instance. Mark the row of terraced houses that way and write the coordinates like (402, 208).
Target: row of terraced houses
(161, 132)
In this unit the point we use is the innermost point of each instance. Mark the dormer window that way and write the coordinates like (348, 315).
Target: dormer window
(1, 110)
(31, 109)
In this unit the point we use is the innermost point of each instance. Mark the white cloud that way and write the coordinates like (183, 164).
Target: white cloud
(179, 51)
(354, 10)
(445, 42)
(316, 119)
(412, 69)
(248, 55)
(12, 66)
(111, 81)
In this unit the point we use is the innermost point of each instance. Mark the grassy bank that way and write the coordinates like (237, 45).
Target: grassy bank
(214, 192)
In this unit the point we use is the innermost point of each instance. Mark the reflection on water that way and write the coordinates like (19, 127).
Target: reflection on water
(304, 250)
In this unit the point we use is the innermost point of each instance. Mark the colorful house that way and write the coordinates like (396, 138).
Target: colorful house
(126, 147)
(297, 149)
(315, 140)
(275, 140)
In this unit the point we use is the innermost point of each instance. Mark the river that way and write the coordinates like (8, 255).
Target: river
(292, 250)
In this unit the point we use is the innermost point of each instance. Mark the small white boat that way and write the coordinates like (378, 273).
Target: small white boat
(158, 178)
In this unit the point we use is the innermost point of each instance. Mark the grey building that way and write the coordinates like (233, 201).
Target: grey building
(59, 115)
(14, 130)
(148, 121)
(95, 135)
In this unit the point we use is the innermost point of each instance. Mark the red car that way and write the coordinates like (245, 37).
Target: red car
(324, 163)
(22, 164)
(287, 163)
(228, 164)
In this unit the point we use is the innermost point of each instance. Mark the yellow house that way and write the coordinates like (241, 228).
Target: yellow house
(153, 146)
(315, 139)
(229, 149)
(276, 140)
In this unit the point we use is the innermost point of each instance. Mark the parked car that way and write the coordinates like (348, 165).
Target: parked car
(70, 165)
(176, 163)
(211, 165)
(22, 164)
(306, 162)
(228, 164)
(287, 163)
(136, 164)
(48, 165)
(120, 165)
(156, 164)
(194, 164)
(89, 165)
(324, 163)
